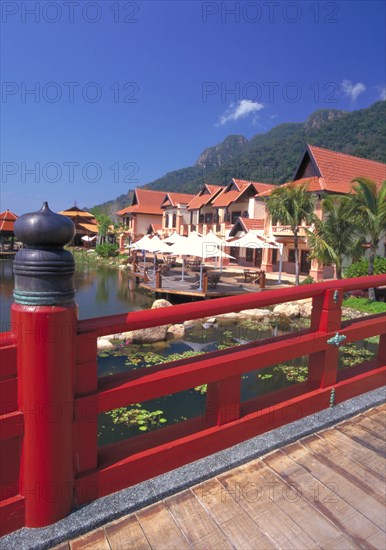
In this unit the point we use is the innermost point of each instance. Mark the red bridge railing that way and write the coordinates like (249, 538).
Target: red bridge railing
(36, 490)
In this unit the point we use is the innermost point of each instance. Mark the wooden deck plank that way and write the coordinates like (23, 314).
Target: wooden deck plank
(236, 524)
(160, 528)
(354, 450)
(364, 478)
(91, 541)
(256, 499)
(325, 491)
(126, 533)
(364, 437)
(372, 426)
(194, 521)
(322, 531)
(378, 414)
(320, 468)
(328, 502)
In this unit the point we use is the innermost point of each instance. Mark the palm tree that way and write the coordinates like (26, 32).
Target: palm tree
(335, 236)
(291, 205)
(368, 206)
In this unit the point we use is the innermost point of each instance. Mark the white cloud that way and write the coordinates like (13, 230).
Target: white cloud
(241, 109)
(382, 92)
(352, 90)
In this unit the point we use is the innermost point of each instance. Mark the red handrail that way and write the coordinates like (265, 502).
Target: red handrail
(113, 324)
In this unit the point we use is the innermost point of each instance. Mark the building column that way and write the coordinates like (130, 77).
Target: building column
(122, 237)
(266, 261)
(316, 270)
(178, 223)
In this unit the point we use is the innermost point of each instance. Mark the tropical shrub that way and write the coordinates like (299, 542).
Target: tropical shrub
(361, 268)
(307, 281)
(107, 250)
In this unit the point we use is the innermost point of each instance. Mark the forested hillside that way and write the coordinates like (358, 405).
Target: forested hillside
(273, 157)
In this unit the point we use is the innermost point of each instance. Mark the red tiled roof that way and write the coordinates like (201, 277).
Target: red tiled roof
(147, 202)
(202, 198)
(7, 220)
(225, 198)
(156, 226)
(177, 198)
(75, 211)
(252, 224)
(313, 183)
(339, 169)
(246, 224)
(213, 188)
(260, 187)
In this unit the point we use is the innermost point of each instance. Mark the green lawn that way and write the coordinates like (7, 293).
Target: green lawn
(365, 305)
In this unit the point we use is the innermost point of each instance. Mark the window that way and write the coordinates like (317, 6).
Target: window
(291, 255)
(274, 256)
(208, 218)
(245, 214)
(249, 254)
(235, 215)
(174, 220)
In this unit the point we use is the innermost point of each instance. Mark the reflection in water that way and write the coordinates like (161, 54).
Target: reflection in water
(99, 292)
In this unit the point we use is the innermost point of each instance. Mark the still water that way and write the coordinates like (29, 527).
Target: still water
(99, 292)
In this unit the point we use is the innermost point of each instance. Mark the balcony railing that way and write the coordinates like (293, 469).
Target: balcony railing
(287, 230)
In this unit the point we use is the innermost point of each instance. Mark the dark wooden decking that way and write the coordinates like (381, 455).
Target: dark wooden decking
(324, 491)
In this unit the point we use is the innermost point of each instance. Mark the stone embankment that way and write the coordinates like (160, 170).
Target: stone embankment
(290, 310)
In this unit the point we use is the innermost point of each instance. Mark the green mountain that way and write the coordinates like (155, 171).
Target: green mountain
(273, 157)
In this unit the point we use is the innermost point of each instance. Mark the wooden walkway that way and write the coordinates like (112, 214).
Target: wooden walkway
(324, 491)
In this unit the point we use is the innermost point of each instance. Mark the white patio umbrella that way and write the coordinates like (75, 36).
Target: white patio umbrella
(151, 244)
(253, 240)
(194, 236)
(212, 238)
(174, 238)
(200, 249)
(142, 243)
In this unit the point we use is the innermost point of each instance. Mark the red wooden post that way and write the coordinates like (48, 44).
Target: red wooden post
(262, 279)
(223, 401)
(326, 317)
(381, 356)
(44, 320)
(158, 279)
(204, 282)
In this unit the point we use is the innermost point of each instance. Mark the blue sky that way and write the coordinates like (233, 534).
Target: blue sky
(99, 97)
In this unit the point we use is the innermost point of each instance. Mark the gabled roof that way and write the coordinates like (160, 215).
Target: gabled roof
(7, 220)
(245, 224)
(337, 170)
(91, 227)
(173, 199)
(233, 191)
(145, 201)
(325, 170)
(205, 196)
(313, 183)
(74, 211)
(154, 228)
